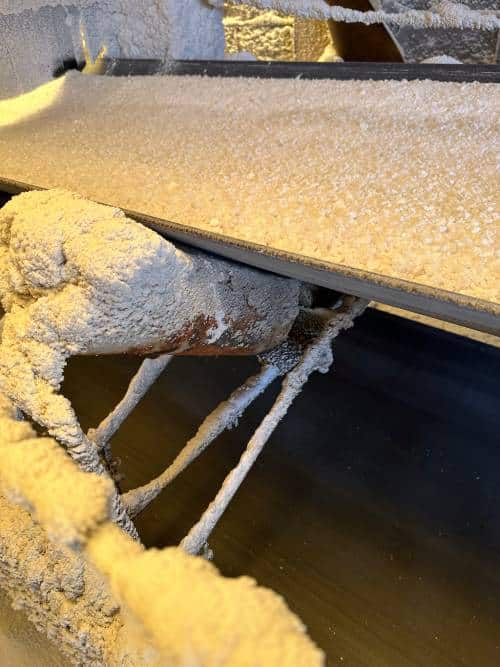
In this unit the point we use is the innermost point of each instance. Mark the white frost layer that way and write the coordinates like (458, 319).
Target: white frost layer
(177, 610)
(37, 36)
(441, 60)
(197, 617)
(398, 178)
(72, 273)
(21, 644)
(77, 277)
(135, 28)
(18, 6)
(444, 14)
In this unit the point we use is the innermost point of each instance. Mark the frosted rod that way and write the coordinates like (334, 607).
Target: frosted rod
(317, 357)
(225, 415)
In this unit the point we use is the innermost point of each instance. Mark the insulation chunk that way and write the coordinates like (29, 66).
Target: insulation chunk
(191, 611)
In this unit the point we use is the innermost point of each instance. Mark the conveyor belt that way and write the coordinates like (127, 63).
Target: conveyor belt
(458, 308)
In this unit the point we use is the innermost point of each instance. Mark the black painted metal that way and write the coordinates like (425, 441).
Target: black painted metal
(376, 71)
(308, 70)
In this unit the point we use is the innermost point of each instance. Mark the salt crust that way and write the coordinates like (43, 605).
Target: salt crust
(397, 178)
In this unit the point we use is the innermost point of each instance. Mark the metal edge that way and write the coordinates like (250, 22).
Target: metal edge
(460, 73)
(450, 306)
(441, 304)
(338, 70)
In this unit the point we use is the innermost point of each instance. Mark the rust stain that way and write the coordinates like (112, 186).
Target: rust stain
(192, 334)
(240, 339)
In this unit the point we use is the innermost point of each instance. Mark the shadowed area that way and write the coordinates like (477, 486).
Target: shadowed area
(374, 507)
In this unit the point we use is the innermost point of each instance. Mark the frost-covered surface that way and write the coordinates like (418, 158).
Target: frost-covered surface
(411, 21)
(272, 36)
(80, 278)
(127, 605)
(442, 14)
(315, 355)
(18, 6)
(36, 36)
(21, 645)
(467, 46)
(441, 60)
(269, 36)
(64, 598)
(42, 487)
(398, 178)
(189, 610)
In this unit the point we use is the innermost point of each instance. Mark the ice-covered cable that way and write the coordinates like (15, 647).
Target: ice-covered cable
(317, 356)
(224, 416)
(148, 373)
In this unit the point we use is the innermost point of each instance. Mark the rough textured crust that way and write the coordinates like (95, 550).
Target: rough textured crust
(397, 178)
(78, 277)
(107, 601)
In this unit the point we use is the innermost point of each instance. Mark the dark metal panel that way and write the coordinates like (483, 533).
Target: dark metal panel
(309, 70)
